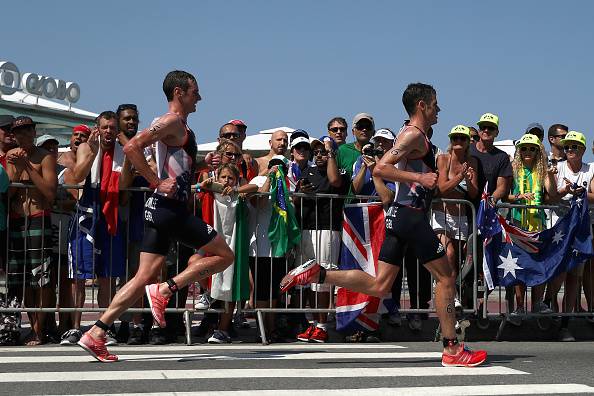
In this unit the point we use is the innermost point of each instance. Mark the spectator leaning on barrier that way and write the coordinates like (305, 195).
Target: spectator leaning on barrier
(532, 182)
(278, 146)
(556, 134)
(573, 177)
(364, 183)
(100, 163)
(30, 225)
(337, 130)
(321, 225)
(300, 157)
(7, 141)
(363, 129)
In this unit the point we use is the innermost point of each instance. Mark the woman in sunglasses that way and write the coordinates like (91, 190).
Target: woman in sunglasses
(457, 179)
(532, 181)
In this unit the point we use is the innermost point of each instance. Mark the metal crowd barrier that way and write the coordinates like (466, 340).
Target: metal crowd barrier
(265, 302)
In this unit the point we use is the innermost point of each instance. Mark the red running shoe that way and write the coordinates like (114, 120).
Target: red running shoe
(157, 302)
(319, 335)
(464, 358)
(96, 348)
(301, 275)
(306, 335)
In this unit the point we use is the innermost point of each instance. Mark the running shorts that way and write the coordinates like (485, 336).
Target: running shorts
(168, 219)
(409, 228)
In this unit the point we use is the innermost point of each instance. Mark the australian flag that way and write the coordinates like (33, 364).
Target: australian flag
(363, 232)
(514, 256)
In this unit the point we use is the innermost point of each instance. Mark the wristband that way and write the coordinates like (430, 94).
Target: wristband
(322, 277)
(197, 187)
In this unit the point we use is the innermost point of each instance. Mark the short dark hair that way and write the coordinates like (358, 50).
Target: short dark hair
(126, 106)
(553, 128)
(340, 120)
(106, 115)
(414, 93)
(174, 79)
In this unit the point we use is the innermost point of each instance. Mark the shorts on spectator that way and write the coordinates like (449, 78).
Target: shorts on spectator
(264, 288)
(30, 252)
(324, 247)
(105, 258)
(454, 226)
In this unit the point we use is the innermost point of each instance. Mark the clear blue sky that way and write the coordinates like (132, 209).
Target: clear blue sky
(299, 63)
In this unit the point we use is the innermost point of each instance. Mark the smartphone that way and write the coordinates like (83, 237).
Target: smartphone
(215, 187)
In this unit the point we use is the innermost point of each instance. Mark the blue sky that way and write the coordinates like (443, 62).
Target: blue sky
(300, 63)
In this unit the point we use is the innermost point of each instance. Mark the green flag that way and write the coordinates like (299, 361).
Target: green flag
(283, 231)
(241, 274)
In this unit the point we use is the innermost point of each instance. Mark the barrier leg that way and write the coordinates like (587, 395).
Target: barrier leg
(188, 321)
(261, 327)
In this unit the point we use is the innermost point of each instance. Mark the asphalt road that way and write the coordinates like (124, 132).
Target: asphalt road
(250, 369)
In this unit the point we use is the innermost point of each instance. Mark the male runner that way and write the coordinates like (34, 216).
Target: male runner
(410, 163)
(166, 214)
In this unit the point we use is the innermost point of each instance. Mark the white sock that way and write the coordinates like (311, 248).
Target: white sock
(323, 326)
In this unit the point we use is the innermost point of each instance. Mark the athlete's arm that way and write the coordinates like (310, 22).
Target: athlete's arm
(408, 143)
(167, 126)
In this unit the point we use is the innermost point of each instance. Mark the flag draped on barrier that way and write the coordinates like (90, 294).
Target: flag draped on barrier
(362, 236)
(512, 255)
(283, 231)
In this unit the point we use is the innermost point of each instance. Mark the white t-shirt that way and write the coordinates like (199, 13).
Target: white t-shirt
(582, 178)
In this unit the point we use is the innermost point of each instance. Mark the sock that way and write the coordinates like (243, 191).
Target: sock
(323, 326)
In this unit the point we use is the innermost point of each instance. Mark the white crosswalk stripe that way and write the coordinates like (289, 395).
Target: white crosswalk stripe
(277, 370)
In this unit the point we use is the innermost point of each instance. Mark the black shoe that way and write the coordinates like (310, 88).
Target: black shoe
(137, 336)
(123, 333)
(158, 337)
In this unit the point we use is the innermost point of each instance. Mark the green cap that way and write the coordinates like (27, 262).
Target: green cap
(574, 136)
(460, 130)
(528, 139)
(490, 118)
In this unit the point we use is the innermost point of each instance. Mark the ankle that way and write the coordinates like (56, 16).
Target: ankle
(164, 290)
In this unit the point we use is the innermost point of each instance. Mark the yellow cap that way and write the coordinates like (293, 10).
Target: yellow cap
(460, 130)
(574, 136)
(490, 118)
(528, 139)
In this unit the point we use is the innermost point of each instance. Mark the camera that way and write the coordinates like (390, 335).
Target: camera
(371, 152)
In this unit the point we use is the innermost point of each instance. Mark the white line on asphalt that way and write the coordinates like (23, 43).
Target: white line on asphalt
(520, 389)
(360, 372)
(255, 355)
(209, 347)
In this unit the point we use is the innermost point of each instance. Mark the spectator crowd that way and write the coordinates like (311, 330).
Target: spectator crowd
(57, 243)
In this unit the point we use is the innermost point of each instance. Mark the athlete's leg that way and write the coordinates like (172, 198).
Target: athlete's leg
(362, 282)
(220, 256)
(148, 272)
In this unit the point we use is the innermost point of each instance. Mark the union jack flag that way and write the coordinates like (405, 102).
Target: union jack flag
(363, 232)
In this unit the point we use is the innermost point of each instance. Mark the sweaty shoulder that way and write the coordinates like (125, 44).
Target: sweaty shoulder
(413, 140)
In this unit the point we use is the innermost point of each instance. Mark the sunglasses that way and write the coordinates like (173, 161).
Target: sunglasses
(475, 138)
(322, 153)
(489, 128)
(573, 147)
(337, 129)
(230, 154)
(364, 126)
(560, 136)
(302, 147)
(458, 137)
(230, 135)
(531, 149)
(127, 106)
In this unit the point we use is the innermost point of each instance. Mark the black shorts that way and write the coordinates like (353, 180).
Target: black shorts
(408, 228)
(167, 220)
(264, 288)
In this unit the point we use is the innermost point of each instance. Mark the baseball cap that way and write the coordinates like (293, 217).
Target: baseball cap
(279, 160)
(22, 121)
(460, 130)
(383, 133)
(82, 128)
(44, 139)
(6, 120)
(489, 118)
(362, 116)
(535, 125)
(528, 138)
(321, 140)
(299, 136)
(237, 123)
(574, 136)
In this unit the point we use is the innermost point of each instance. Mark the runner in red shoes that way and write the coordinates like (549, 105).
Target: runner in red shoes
(167, 217)
(411, 164)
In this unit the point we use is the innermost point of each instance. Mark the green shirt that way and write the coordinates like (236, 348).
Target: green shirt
(346, 158)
